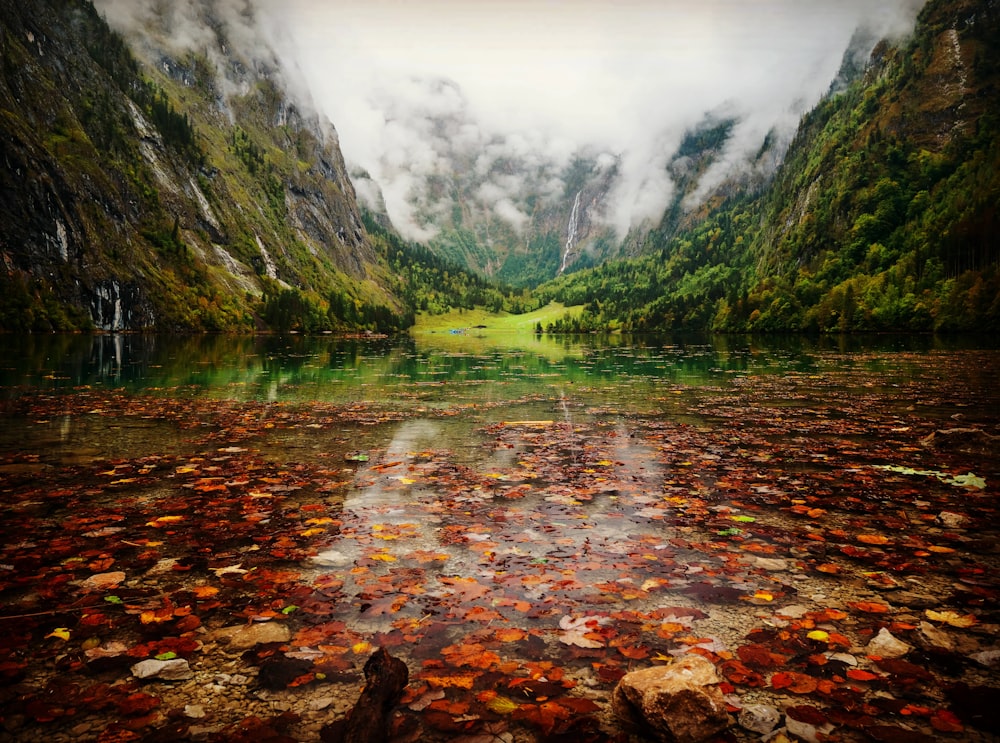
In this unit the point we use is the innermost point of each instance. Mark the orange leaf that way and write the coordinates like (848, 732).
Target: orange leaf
(869, 607)
(859, 674)
(873, 539)
(457, 681)
(510, 634)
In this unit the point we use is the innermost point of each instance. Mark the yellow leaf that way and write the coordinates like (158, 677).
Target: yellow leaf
(161, 520)
(362, 647)
(953, 618)
(604, 463)
(501, 705)
(319, 521)
(61, 632)
(312, 532)
(384, 557)
(818, 634)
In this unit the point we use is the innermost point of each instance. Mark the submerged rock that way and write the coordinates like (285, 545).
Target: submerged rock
(176, 669)
(245, 637)
(759, 718)
(681, 702)
(886, 645)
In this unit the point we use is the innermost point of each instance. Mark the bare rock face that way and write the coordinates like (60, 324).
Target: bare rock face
(679, 703)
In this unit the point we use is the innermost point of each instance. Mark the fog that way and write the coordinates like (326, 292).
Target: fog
(423, 89)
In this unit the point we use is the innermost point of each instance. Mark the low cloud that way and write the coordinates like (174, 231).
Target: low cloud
(432, 90)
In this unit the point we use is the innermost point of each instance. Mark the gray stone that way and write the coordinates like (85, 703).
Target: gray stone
(951, 519)
(771, 564)
(936, 637)
(886, 645)
(988, 658)
(680, 702)
(176, 669)
(759, 718)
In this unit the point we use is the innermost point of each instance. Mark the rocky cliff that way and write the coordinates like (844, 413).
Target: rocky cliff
(170, 188)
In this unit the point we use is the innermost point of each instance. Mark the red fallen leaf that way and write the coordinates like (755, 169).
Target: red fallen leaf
(759, 655)
(738, 673)
(636, 652)
(798, 683)
(828, 686)
(137, 704)
(903, 671)
(609, 674)
(808, 714)
(187, 624)
(859, 674)
(579, 705)
(473, 655)
(446, 723)
(946, 721)
(93, 620)
(545, 716)
(855, 552)
(826, 615)
(455, 708)
(117, 734)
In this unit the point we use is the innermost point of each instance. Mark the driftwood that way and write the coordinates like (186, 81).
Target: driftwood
(368, 721)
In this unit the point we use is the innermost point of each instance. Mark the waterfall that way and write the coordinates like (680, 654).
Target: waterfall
(574, 219)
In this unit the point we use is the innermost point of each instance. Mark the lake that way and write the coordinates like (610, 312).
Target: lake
(522, 519)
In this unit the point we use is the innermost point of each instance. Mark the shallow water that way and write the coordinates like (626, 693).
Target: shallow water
(497, 508)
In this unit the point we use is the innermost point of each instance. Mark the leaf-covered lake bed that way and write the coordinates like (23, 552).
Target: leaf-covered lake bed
(191, 560)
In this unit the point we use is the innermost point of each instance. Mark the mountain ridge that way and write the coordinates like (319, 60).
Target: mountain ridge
(142, 196)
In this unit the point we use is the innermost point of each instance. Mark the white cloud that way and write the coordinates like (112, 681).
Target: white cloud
(538, 80)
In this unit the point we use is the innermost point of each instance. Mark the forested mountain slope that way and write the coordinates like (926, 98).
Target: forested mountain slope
(139, 195)
(883, 215)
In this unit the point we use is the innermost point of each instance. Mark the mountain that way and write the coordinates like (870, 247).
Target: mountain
(882, 215)
(496, 205)
(175, 189)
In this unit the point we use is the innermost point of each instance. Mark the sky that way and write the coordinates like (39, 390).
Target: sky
(540, 81)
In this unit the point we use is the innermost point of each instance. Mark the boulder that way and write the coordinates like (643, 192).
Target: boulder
(678, 703)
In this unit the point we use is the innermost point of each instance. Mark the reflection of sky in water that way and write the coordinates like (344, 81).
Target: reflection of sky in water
(505, 520)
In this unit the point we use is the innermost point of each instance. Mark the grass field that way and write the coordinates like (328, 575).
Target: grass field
(493, 321)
